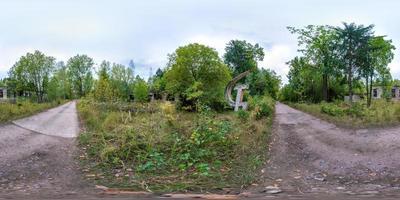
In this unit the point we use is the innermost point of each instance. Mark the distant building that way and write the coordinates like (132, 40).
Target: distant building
(3, 93)
(377, 92)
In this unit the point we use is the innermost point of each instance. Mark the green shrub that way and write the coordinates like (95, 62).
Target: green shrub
(262, 106)
(356, 110)
(332, 109)
(243, 115)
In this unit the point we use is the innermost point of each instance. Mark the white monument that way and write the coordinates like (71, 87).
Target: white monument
(239, 97)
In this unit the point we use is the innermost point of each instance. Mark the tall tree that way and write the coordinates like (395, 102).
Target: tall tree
(376, 56)
(80, 69)
(241, 56)
(197, 74)
(264, 81)
(352, 41)
(103, 91)
(320, 48)
(32, 73)
(121, 80)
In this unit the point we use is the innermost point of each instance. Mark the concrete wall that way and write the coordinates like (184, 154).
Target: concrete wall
(377, 93)
(4, 91)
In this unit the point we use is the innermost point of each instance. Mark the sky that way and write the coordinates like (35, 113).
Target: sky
(147, 31)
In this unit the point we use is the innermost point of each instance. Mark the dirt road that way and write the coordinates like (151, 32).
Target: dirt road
(309, 159)
(37, 154)
(309, 155)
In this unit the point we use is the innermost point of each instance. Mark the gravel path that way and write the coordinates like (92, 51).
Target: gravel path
(309, 155)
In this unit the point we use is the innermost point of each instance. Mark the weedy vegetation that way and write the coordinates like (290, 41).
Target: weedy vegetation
(23, 108)
(155, 147)
(358, 115)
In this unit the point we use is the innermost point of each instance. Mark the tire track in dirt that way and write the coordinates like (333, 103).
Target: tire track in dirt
(309, 155)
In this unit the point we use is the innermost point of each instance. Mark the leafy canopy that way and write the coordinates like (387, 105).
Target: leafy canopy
(197, 75)
(241, 56)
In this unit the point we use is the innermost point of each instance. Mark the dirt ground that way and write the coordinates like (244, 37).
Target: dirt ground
(309, 159)
(37, 155)
(309, 155)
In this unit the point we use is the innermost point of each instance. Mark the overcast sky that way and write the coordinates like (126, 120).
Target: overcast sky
(146, 31)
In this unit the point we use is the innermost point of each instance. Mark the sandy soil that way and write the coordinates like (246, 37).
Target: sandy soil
(309, 155)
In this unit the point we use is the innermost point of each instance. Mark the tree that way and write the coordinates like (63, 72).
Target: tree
(103, 91)
(140, 90)
(352, 41)
(197, 75)
(121, 80)
(241, 56)
(59, 85)
(32, 73)
(376, 56)
(158, 84)
(263, 82)
(320, 48)
(80, 73)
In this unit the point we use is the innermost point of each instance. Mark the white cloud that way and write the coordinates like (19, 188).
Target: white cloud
(395, 68)
(276, 58)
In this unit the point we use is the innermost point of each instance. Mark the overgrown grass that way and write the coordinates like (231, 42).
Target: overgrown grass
(155, 147)
(381, 113)
(22, 108)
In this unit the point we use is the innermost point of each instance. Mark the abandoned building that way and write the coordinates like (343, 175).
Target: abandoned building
(377, 92)
(3, 93)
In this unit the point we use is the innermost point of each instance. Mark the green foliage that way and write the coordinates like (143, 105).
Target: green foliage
(59, 86)
(264, 82)
(32, 73)
(121, 79)
(332, 109)
(103, 90)
(262, 106)
(241, 56)
(140, 90)
(243, 115)
(334, 61)
(165, 147)
(197, 75)
(380, 113)
(320, 48)
(80, 69)
(22, 108)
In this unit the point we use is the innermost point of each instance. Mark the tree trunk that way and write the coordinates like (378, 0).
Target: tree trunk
(370, 90)
(350, 82)
(325, 87)
(367, 89)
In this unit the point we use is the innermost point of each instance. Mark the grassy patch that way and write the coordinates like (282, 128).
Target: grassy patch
(155, 147)
(381, 113)
(22, 108)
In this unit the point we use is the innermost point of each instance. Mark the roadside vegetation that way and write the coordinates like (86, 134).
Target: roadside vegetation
(22, 108)
(155, 147)
(339, 63)
(358, 115)
(186, 138)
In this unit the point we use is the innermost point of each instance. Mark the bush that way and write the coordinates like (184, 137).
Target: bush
(262, 106)
(332, 109)
(141, 91)
(356, 110)
(243, 115)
